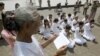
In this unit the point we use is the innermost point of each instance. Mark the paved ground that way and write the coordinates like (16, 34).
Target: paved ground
(91, 50)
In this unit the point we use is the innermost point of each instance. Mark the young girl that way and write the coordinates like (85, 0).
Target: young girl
(42, 18)
(56, 27)
(46, 30)
(78, 34)
(50, 19)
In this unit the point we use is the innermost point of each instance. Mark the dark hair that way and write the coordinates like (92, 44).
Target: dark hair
(45, 20)
(68, 27)
(61, 16)
(55, 20)
(81, 23)
(42, 17)
(50, 14)
(69, 15)
(17, 5)
(9, 13)
(9, 23)
(92, 20)
(2, 4)
(65, 20)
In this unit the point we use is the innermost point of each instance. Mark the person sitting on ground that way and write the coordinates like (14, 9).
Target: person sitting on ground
(88, 35)
(45, 30)
(78, 35)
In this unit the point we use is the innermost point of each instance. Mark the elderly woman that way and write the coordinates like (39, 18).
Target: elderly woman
(28, 22)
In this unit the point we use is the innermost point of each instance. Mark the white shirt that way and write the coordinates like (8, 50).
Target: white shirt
(87, 29)
(55, 28)
(27, 49)
(77, 34)
(63, 25)
(74, 24)
(46, 31)
(69, 19)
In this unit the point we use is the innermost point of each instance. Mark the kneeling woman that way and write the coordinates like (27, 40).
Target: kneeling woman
(78, 34)
(45, 30)
(65, 37)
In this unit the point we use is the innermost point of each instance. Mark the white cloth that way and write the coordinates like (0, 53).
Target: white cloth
(27, 49)
(69, 20)
(60, 21)
(78, 37)
(56, 28)
(63, 24)
(88, 32)
(62, 40)
(74, 25)
(45, 31)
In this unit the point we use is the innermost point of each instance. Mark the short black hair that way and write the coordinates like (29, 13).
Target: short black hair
(65, 20)
(92, 20)
(2, 4)
(17, 4)
(56, 20)
(45, 20)
(10, 24)
(68, 27)
(81, 23)
(61, 16)
(50, 14)
(69, 15)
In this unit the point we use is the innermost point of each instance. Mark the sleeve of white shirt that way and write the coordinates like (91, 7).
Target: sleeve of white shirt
(87, 26)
